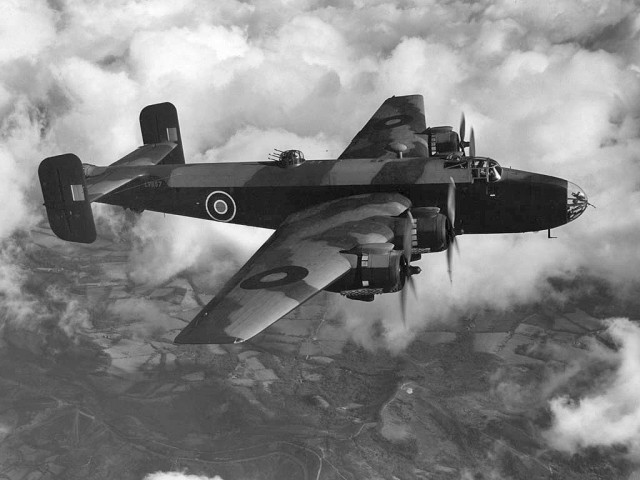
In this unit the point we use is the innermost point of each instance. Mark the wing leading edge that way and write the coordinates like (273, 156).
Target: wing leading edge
(397, 121)
(299, 260)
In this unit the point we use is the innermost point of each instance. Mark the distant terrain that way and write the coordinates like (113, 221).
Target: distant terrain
(91, 386)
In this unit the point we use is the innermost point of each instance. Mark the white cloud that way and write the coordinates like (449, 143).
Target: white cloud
(252, 143)
(20, 134)
(178, 476)
(609, 415)
(143, 317)
(190, 54)
(168, 245)
(562, 21)
(26, 28)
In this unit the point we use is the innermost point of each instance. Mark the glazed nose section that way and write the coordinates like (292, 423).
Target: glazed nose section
(577, 201)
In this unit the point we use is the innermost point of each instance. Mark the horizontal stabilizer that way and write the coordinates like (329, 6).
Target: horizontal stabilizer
(66, 198)
(148, 154)
(159, 124)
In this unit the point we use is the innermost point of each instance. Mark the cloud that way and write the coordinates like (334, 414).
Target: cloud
(167, 246)
(178, 476)
(144, 318)
(26, 29)
(608, 413)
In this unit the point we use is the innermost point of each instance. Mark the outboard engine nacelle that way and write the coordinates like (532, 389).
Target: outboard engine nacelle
(375, 268)
(442, 140)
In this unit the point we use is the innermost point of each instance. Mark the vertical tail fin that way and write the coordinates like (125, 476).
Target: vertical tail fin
(65, 196)
(159, 123)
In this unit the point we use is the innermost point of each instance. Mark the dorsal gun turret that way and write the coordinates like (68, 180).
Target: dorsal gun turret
(287, 158)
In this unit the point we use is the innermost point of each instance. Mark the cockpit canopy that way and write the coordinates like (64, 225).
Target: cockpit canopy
(482, 168)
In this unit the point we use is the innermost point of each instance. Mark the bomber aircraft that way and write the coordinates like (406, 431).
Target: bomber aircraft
(352, 225)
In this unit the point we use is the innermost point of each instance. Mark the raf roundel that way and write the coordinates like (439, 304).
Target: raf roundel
(220, 206)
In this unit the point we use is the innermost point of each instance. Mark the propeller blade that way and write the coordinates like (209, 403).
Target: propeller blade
(451, 202)
(451, 213)
(450, 262)
(462, 125)
(409, 271)
(407, 243)
(403, 305)
(472, 145)
(414, 291)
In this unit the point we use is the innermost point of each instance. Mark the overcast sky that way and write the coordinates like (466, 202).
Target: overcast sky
(551, 87)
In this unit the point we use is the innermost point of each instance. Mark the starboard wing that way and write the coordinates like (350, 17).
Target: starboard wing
(397, 121)
(299, 260)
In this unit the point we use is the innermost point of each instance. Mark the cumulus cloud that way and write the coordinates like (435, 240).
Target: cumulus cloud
(144, 318)
(608, 413)
(43, 318)
(178, 476)
(167, 246)
(26, 29)
(550, 88)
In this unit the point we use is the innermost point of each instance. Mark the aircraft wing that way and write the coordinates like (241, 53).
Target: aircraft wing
(398, 120)
(300, 259)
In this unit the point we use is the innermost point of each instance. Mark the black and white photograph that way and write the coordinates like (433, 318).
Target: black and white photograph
(320, 240)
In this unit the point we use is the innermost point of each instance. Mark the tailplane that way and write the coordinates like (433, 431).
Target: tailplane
(69, 187)
(64, 189)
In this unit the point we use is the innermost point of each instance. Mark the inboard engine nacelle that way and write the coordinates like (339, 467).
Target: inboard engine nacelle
(433, 230)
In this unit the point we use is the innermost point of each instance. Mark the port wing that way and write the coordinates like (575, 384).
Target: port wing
(300, 259)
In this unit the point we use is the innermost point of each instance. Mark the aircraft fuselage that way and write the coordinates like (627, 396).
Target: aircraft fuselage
(264, 195)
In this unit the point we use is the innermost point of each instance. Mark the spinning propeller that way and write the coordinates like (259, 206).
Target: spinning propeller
(472, 140)
(451, 230)
(407, 247)
(410, 271)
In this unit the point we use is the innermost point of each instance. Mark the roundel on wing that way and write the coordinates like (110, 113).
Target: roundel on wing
(276, 277)
(392, 122)
(220, 206)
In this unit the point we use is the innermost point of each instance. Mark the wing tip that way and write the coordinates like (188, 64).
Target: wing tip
(191, 337)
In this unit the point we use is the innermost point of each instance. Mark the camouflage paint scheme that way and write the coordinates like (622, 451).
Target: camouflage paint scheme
(320, 208)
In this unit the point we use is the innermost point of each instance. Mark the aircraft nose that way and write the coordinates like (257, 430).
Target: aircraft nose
(577, 201)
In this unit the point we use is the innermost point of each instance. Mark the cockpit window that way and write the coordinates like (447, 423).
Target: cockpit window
(456, 160)
(485, 169)
(482, 169)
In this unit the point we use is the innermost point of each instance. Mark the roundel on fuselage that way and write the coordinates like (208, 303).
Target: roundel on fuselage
(220, 206)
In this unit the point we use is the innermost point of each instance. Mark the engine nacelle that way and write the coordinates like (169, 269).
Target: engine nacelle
(442, 140)
(375, 268)
(433, 230)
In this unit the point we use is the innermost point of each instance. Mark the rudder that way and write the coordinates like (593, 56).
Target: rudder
(159, 123)
(65, 196)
